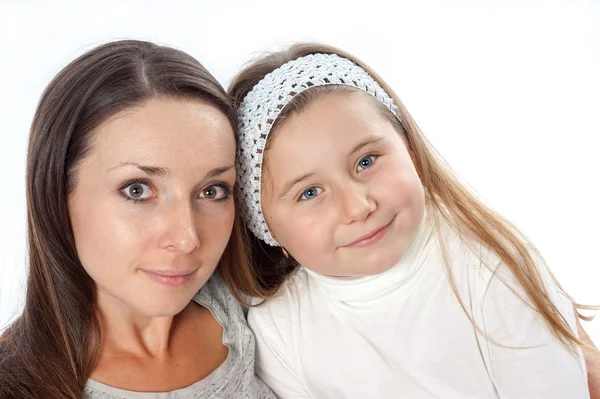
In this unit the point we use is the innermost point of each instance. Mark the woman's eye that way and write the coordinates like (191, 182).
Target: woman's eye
(137, 192)
(215, 192)
(365, 162)
(310, 193)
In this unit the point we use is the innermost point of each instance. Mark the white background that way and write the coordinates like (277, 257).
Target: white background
(507, 90)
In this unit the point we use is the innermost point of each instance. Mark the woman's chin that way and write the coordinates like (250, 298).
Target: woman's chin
(162, 308)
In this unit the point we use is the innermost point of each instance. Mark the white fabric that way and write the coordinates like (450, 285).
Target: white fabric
(403, 333)
(261, 107)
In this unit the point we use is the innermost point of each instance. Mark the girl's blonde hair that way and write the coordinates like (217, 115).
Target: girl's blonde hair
(444, 193)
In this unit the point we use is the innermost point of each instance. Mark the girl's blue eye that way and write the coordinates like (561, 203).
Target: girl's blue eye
(311, 193)
(365, 162)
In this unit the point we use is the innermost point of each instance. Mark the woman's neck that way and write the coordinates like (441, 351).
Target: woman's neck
(125, 331)
(157, 354)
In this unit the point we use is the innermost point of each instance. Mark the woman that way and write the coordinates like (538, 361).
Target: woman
(130, 172)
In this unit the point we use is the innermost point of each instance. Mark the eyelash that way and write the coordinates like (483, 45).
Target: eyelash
(374, 159)
(129, 183)
(300, 197)
(225, 187)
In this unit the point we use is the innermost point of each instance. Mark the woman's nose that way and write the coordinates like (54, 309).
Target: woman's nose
(180, 233)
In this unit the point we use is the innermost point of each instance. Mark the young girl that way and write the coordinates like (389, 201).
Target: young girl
(391, 280)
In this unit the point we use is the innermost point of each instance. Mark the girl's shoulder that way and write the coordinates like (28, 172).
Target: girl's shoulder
(482, 276)
(293, 288)
(292, 300)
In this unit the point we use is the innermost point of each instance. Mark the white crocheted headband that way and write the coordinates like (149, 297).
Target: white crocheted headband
(261, 107)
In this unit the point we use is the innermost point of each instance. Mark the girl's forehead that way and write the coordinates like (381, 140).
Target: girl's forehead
(317, 146)
(335, 117)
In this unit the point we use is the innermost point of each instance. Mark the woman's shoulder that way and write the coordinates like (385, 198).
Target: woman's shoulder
(217, 297)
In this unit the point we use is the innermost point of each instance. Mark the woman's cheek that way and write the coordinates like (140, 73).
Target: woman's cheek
(217, 224)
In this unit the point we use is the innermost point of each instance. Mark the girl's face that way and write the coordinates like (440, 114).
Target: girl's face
(340, 191)
(152, 211)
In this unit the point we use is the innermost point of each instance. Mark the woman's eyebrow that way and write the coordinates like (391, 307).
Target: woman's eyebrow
(150, 170)
(218, 171)
(164, 172)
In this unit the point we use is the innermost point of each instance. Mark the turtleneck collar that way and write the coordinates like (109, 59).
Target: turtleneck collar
(372, 287)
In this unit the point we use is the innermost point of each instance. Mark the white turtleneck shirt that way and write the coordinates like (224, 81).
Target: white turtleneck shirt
(404, 333)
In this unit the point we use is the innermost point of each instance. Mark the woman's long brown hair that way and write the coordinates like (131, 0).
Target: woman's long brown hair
(51, 349)
(449, 198)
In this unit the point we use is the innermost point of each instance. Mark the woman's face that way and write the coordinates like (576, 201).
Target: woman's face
(152, 209)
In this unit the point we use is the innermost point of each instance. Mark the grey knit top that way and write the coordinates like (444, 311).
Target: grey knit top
(234, 378)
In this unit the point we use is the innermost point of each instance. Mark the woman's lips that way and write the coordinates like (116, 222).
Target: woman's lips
(170, 277)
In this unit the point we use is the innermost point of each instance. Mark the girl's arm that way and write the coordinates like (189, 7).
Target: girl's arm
(523, 358)
(592, 363)
(273, 365)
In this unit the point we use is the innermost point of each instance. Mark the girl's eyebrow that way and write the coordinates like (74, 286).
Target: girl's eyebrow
(288, 186)
(368, 141)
